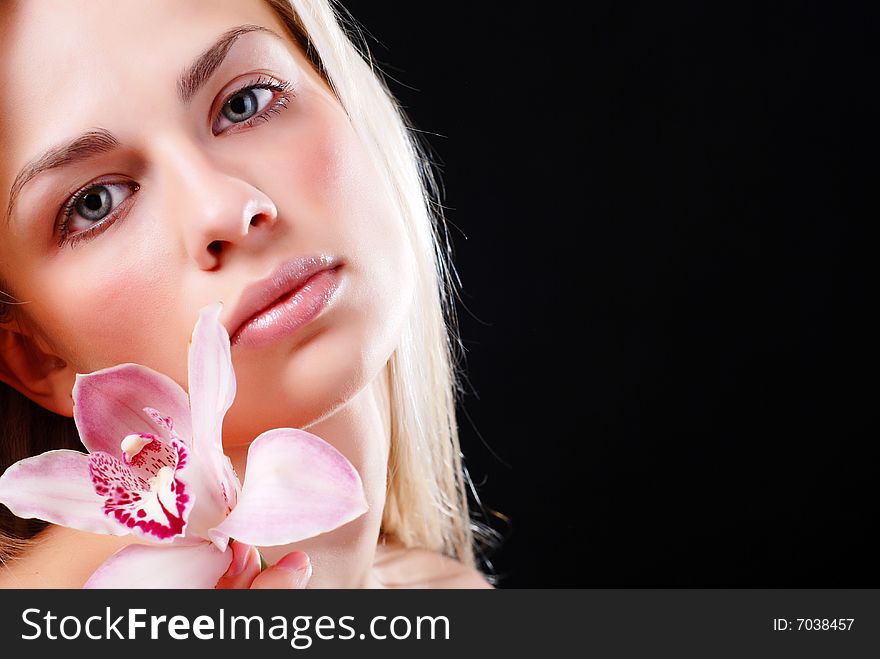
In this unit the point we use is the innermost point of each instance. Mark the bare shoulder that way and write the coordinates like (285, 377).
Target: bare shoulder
(398, 566)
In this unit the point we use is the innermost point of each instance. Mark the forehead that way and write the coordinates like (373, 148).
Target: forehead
(69, 66)
(71, 34)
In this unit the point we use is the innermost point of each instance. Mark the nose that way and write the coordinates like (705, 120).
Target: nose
(216, 210)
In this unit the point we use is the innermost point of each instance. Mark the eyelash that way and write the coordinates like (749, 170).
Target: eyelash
(285, 91)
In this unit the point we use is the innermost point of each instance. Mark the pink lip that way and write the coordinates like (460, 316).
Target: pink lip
(293, 295)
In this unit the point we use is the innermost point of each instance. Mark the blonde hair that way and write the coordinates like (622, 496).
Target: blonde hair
(426, 501)
(427, 492)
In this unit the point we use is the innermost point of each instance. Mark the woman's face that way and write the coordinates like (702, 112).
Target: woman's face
(190, 200)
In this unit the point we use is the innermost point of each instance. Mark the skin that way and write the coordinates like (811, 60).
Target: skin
(213, 213)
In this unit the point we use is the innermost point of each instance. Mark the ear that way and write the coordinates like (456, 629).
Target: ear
(41, 376)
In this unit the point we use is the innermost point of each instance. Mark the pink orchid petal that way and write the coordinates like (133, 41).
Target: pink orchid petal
(145, 496)
(211, 390)
(143, 566)
(296, 486)
(109, 404)
(56, 487)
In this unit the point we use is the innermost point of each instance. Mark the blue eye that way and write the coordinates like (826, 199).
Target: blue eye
(254, 103)
(95, 204)
(93, 209)
(245, 104)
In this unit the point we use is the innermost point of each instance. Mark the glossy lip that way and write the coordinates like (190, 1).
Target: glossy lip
(284, 280)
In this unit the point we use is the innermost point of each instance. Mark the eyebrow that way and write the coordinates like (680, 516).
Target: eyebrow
(98, 141)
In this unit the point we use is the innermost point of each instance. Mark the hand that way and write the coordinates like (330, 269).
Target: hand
(293, 570)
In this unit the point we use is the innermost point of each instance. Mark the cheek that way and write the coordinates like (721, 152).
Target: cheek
(365, 226)
(329, 191)
(333, 198)
(102, 310)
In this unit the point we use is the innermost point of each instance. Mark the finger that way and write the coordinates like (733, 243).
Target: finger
(244, 568)
(292, 571)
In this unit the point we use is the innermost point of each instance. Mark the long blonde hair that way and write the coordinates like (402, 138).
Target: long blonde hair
(426, 502)
(427, 492)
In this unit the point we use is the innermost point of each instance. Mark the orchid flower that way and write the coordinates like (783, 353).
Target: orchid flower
(156, 470)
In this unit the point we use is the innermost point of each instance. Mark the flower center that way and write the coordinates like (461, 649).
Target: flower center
(140, 488)
(132, 444)
(162, 484)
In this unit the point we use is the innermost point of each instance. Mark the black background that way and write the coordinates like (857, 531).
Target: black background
(657, 215)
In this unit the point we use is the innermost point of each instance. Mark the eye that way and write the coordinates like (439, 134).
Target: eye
(93, 209)
(245, 104)
(257, 101)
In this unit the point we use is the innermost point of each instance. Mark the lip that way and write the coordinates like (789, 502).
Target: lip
(295, 293)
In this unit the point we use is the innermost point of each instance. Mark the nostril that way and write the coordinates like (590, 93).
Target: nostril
(215, 247)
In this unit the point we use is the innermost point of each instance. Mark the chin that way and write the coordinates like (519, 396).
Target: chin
(295, 387)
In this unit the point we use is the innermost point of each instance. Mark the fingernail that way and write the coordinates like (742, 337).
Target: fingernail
(301, 578)
(300, 567)
(295, 561)
(240, 553)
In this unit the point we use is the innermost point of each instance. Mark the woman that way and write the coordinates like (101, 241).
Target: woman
(173, 154)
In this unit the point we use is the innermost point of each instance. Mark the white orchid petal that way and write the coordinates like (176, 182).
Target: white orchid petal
(56, 487)
(142, 566)
(296, 486)
(212, 390)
